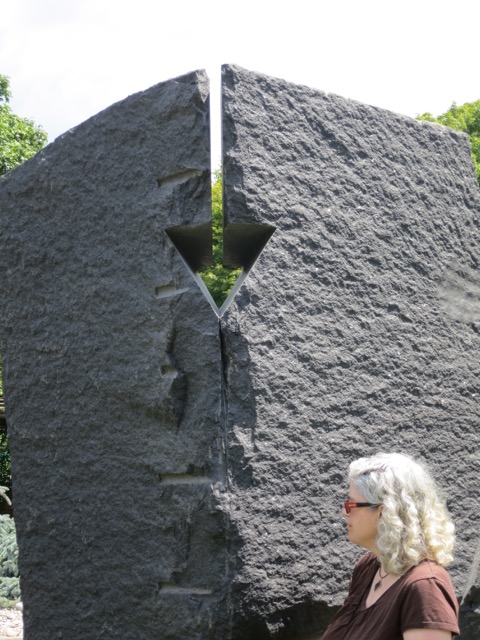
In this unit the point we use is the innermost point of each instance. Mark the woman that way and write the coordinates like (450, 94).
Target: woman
(400, 589)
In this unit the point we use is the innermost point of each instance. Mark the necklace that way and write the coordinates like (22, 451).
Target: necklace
(378, 584)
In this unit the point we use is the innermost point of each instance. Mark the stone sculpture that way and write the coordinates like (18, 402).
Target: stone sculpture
(341, 331)
(178, 474)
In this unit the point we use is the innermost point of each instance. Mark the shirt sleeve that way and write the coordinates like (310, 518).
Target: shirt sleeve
(429, 604)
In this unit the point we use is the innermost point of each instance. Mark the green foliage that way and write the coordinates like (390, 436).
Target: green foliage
(464, 118)
(4, 89)
(5, 472)
(218, 279)
(5, 467)
(19, 138)
(9, 592)
(9, 581)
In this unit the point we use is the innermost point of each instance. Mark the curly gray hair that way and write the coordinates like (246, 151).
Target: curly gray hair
(415, 524)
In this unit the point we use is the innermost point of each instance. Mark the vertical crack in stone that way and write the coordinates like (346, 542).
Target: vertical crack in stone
(224, 402)
(231, 536)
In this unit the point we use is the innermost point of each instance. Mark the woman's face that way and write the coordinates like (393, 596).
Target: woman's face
(362, 522)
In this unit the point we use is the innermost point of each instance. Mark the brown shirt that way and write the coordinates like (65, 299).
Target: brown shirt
(423, 598)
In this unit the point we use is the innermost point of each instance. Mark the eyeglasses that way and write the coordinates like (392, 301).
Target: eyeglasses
(348, 506)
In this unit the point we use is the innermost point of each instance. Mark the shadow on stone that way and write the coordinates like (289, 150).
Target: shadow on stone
(303, 621)
(244, 243)
(194, 244)
(470, 614)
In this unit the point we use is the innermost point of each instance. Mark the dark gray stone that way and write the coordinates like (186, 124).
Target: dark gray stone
(340, 342)
(175, 479)
(112, 376)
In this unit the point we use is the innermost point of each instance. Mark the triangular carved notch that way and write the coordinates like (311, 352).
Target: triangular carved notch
(243, 243)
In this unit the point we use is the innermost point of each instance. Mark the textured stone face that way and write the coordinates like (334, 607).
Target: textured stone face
(340, 342)
(112, 367)
(181, 477)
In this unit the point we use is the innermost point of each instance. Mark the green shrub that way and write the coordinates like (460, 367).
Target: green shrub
(9, 591)
(9, 580)
(464, 118)
(5, 466)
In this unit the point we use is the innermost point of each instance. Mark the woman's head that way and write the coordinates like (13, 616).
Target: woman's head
(413, 522)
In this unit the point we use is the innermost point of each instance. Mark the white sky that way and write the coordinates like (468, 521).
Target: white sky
(69, 59)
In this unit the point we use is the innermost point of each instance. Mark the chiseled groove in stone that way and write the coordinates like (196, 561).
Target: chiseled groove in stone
(168, 588)
(168, 371)
(169, 290)
(184, 478)
(177, 178)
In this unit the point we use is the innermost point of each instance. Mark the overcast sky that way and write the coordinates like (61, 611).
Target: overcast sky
(68, 59)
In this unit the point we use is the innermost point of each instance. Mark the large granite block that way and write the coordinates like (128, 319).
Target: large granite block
(340, 342)
(112, 375)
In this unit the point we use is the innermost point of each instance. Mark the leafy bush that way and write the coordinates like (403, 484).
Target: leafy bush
(5, 470)
(464, 118)
(20, 138)
(5, 466)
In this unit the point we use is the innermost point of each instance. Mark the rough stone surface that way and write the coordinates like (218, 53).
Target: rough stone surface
(178, 479)
(342, 341)
(112, 376)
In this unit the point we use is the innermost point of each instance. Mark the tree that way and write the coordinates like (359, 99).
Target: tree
(20, 138)
(464, 118)
(218, 279)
